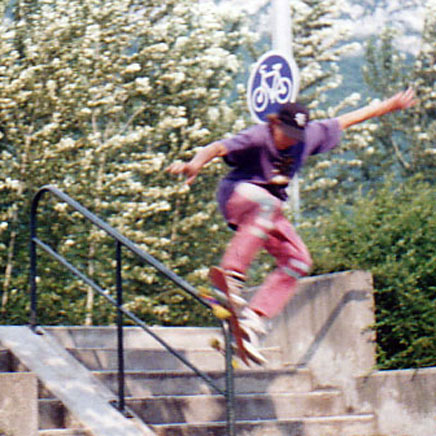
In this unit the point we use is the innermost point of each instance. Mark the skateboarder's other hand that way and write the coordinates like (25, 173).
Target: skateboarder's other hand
(404, 99)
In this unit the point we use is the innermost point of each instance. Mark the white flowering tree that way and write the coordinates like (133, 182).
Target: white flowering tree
(321, 39)
(404, 143)
(97, 101)
(401, 143)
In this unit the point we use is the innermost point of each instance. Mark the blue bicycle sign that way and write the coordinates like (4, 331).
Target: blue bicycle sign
(273, 81)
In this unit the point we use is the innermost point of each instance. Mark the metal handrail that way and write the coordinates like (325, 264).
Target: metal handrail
(122, 241)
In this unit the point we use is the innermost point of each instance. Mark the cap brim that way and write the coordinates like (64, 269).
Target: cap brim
(292, 132)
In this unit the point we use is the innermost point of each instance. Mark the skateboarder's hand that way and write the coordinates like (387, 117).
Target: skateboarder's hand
(187, 168)
(403, 100)
(201, 158)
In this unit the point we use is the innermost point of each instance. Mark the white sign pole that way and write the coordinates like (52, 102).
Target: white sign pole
(281, 27)
(282, 42)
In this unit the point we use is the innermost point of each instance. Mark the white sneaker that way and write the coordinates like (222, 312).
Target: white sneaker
(234, 282)
(253, 326)
(252, 322)
(253, 353)
(238, 302)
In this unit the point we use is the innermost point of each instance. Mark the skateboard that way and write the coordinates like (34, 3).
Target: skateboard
(224, 310)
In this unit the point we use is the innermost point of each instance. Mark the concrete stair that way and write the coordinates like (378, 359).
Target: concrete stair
(64, 432)
(170, 399)
(326, 426)
(54, 419)
(69, 400)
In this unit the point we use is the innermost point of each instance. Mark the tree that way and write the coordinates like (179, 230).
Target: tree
(406, 141)
(96, 101)
(396, 244)
(399, 143)
(320, 40)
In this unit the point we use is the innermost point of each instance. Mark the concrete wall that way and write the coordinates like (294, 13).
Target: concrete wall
(18, 404)
(404, 401)
(327, 328)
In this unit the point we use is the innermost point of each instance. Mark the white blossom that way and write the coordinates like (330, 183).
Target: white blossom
(132, 68)
(66, 144)
(143, 85)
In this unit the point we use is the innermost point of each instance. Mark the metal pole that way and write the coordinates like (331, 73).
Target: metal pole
(282, 27)
(32, 253)
(121, 396)
(282, 42)
(230, 385)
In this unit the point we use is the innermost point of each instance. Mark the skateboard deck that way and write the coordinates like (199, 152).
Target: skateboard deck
(226, 311)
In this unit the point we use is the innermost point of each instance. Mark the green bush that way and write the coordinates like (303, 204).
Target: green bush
(390, 232)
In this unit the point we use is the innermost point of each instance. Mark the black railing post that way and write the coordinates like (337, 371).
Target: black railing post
(119, 284)
(32, 277)
(230, 383)
(122, 241)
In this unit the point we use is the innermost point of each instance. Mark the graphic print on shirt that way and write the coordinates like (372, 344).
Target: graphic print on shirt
(281, 174)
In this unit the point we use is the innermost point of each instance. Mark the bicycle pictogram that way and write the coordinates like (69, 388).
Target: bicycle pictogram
(274, 80)
(273, 88)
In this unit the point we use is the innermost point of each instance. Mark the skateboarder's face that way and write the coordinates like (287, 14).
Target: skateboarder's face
(281, 140)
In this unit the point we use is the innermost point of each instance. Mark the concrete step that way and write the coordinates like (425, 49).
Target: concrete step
(145, 360)
(53, 414)
(9, 363)
(44, 392)
(210, 408)
(5, 360)
(342, 425)
(86, 398)
(139, 384)
(64, 432)
(134, 337)
(163, 392)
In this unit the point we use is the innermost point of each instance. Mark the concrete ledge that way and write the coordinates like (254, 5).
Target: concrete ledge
(82, 394)
(326, 327)
(404, 401)
(18, 404)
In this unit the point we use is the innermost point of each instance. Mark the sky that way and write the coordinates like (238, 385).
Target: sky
(369, 17)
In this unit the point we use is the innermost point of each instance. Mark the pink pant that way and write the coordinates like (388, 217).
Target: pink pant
(261, 224)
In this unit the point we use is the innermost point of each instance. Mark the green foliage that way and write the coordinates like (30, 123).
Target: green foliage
(400, 143)
(406, 142)
(97, 101)
(392, 233)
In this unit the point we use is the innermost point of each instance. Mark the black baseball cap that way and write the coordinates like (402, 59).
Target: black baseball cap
(293, 119)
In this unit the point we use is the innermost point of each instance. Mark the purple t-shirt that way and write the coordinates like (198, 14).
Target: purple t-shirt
(255, 159)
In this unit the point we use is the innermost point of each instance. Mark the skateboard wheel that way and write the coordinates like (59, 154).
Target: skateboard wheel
(221, 312)
(236, 363)
(215, 343)
(204, 292)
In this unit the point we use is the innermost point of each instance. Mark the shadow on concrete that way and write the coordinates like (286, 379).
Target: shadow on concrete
(347, 298)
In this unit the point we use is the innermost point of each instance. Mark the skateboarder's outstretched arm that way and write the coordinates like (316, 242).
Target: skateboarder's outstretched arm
(401, 100)
(201, 158)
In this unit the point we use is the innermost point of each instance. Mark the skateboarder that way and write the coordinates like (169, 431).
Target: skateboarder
(263, 159)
